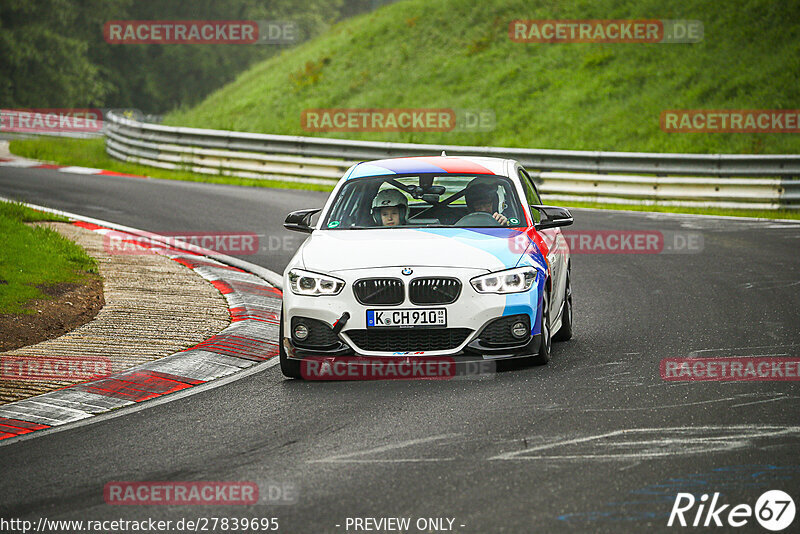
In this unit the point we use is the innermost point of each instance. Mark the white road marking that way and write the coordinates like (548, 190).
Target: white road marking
(613, 375)
(348, 457)
(638, 408)
(769, 284)
(20, 163)
(513, 455)
(763, 401)
(735, 351)
(667, 442)
(79, 170)
(634, 464)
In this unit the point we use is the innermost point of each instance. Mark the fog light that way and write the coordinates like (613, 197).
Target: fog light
(519, 330)
(301, 332)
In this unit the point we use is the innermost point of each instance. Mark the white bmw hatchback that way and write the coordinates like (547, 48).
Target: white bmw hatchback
(428, 257)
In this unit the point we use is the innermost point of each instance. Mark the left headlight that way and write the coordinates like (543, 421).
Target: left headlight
(511, 281)
(314, 284)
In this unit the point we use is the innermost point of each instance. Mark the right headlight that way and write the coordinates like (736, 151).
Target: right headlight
(314, 284)
(514, 280)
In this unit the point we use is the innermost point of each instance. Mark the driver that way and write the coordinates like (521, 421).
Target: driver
(390, 208)
(482, 197)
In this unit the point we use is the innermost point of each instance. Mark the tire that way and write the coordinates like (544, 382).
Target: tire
(565, 332)
(289, 368)
(543, 356)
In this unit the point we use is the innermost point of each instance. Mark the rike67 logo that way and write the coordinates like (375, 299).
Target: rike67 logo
(774, 511)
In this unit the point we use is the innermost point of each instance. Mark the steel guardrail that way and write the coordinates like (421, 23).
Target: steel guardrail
(709, 180)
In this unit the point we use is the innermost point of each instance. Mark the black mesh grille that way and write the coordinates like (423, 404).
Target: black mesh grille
(408, 339)
(498, 332)
(379, 291)
(434, 290)
(320, 335)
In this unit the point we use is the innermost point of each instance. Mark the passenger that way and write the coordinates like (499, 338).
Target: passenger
(390, 208)
(482, 197)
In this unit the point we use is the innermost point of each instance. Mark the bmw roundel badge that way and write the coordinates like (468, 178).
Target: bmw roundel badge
(408, 271)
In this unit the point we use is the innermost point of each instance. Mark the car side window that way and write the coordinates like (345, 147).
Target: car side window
(531, 195)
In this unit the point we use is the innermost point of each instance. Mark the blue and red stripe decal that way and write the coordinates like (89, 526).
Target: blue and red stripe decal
(434, 164)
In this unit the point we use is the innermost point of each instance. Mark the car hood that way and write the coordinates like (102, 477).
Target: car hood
(481, 248)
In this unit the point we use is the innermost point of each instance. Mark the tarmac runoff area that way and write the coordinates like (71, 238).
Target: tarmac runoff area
(172, 320)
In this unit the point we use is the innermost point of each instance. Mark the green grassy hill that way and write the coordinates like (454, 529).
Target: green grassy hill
(457, 54)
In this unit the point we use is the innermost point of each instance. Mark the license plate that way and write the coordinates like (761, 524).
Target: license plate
(407, 317)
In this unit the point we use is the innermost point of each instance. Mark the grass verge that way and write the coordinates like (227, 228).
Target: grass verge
(32, 257)
(457, 54)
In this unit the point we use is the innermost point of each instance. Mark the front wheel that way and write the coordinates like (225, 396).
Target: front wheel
(289, 368)
(565, 332)
(543, 356)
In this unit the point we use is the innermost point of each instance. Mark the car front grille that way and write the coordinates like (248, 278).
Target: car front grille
(379, 291)
(434, 290)
(498, 332)
(408, 339)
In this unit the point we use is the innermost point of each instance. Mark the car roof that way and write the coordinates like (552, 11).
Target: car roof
(429, 164)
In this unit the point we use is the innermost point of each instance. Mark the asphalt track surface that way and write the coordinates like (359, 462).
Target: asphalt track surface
(594, 441)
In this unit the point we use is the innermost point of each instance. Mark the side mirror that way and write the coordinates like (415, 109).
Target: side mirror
(553, 217)
(299, 220)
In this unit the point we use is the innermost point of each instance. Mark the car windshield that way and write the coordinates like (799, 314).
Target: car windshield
(427, 200)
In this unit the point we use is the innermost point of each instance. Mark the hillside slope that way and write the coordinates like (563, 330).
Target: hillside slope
(457, 54)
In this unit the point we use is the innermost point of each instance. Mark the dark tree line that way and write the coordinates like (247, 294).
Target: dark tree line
(53, 54)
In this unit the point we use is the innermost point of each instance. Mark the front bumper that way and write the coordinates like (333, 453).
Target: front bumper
(473, 352)
(467, 318)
